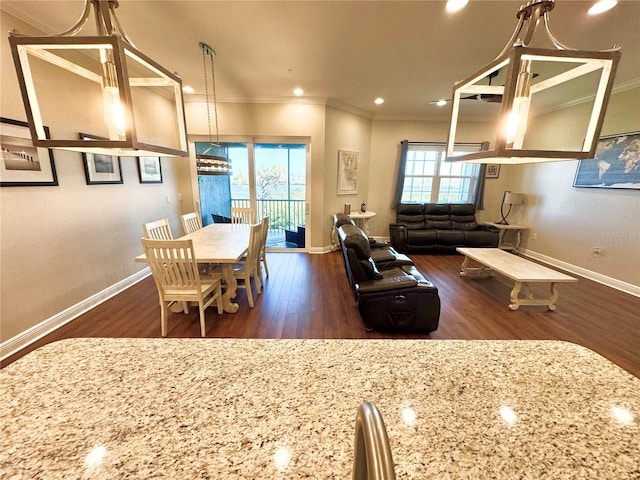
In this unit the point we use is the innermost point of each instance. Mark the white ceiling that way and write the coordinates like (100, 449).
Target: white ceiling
(343, 52)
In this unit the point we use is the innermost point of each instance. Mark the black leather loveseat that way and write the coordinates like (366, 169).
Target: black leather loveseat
(390, 292)
(439, 228)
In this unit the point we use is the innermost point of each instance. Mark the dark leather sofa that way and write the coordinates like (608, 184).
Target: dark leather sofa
(439, 228)
(390, 292)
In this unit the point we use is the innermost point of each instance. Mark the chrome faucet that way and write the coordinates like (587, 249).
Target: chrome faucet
(372, 455)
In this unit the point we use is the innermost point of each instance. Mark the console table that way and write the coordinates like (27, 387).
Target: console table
(509, 235)
(273, 409)
(360, 218)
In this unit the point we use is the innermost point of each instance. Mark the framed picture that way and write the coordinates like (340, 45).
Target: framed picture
(22, 164)
(348, 172)
(493, 170)
(100, 169)
(150, 169)
(616, 164)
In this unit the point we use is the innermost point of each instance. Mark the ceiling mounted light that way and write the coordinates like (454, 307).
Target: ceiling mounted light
(456, 5)
(379, 101)
(101, 84)
(298, 92)
(529, 81)
(213, 160)
(602, 6)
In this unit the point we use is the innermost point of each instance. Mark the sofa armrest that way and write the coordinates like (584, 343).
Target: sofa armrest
(398, 236)
(387, 283)
(488, 228)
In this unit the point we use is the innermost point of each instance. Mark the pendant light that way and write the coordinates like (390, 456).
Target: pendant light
(530, 81)
(213, 160)
(99, 84)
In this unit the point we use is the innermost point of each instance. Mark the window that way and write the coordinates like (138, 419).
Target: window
(429, 179)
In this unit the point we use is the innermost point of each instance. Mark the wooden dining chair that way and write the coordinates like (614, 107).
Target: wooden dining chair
(262, 256)
(190, 222)
(158, 230)
(243, 215)
(245, 270)
(177, 278)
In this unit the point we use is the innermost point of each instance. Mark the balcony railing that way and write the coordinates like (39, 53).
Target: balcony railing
(283, 214)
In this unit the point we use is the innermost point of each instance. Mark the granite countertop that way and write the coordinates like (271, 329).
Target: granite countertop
(276, 409)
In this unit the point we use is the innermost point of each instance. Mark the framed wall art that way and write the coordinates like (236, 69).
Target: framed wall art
(22, 164)
(100, 169)
(150, 169)
(493, 170)
(616, 164)
(348, 172)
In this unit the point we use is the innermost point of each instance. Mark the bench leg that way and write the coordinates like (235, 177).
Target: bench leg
(515, 301)
(554, 297)
(480, 271)
(550, 302)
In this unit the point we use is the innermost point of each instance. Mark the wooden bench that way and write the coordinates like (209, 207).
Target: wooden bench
(518, 269)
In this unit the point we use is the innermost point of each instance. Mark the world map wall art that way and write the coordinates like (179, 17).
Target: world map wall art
(616, 164)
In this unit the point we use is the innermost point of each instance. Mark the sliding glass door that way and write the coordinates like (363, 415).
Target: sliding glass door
(271, 178)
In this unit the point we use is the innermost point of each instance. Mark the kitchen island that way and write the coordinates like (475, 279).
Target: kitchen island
(271, 409)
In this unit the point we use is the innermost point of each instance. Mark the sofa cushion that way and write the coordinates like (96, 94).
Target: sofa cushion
(421, 237)
(449, 237)
(481, 238)
(410, 215)
(342, 219)
(370, 269)
(464, 225)
(462, 209)
(439, 224)
(355, 239)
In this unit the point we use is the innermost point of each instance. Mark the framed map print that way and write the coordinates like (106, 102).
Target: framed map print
(616, 164)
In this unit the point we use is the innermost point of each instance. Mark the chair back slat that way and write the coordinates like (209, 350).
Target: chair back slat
(158, 230)
(172, 264)
(243, 215)
(190, 222)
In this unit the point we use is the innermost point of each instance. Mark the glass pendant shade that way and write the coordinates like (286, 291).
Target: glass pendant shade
(101, 85)
(516, 90)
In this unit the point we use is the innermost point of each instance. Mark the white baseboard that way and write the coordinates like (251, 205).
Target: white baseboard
(583, 272)
(23, 339)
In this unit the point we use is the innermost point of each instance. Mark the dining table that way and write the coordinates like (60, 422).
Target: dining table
(222, 243)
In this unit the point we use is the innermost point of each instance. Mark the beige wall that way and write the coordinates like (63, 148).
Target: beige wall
(570, 222)
(345, 131)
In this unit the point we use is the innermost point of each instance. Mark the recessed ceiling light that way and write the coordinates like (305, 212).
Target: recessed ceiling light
(379, 101)
(298, 91)
(439, 103)
(602, 6)
(455, 5)
(188, 89)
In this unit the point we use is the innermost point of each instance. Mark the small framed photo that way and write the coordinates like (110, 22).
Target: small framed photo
(493, 170)
(150, 169)
(22, 164)
(100, 169)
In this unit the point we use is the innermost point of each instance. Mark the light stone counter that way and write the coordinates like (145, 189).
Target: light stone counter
(276, 409)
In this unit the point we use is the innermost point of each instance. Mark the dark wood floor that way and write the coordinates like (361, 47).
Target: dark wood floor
(308, 296)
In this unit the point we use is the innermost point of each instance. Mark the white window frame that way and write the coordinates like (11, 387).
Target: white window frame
(439, 173)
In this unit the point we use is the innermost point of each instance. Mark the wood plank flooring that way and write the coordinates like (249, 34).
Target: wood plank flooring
(308, 296)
